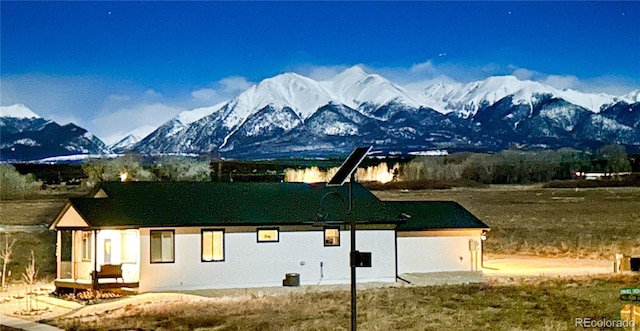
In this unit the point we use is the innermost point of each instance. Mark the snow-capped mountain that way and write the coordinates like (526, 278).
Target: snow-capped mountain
(467, 99)
(25, 136)
(277, 105)
(293, 115)
(18, 111)
(633, 96)
(125, 143)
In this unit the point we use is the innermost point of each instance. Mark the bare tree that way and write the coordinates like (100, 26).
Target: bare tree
(29, 275)
(5, 253)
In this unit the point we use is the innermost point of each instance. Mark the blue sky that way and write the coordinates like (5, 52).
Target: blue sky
(97, 63)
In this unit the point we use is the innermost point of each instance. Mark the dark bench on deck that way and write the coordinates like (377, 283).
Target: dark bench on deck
(108, 271)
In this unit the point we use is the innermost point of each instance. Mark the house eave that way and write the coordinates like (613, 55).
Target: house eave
(443, 232)
(65, 210)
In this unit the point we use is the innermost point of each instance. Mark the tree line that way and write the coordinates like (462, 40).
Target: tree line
(506, 167)
(516, 167)
(134, 168)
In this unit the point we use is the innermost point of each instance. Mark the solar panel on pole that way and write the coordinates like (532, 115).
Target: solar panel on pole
(349, 166)
(346, 170)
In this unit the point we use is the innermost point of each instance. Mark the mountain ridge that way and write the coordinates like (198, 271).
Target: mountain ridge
(26, 136)
(275, 112)
(290, 115)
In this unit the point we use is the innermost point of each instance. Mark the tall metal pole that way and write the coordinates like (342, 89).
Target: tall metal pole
(348, 168)
(352, 255)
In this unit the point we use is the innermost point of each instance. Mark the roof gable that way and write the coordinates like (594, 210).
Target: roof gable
(69, 217)
(100, 194)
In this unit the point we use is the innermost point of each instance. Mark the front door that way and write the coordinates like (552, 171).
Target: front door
(107, 251)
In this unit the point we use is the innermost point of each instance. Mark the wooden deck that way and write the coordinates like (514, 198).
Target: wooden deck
(87, 284)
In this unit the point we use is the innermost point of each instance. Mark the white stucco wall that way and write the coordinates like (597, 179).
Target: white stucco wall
(433, 251)
(130, 269)
(251, 264)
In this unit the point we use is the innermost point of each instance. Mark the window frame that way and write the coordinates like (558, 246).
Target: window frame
(87, 245)
(277, 239)
(224, 255)
(324, 233)
(123, 236)
(173, 246)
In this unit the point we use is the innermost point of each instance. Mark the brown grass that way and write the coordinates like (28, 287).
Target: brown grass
(42, 241)
(529, 304)
(30, 212)
(595, 222)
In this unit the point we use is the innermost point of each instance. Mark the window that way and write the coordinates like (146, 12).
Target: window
(332, 236)
(87, 243)
(212, 245)
(128, 246)
(162, 246)
(268, 235)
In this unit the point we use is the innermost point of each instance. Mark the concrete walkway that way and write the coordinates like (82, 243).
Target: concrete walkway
(21, 324)
(532, 266)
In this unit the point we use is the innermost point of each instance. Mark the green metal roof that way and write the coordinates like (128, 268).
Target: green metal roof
(174, 204)
(195, 204)
(432, 215)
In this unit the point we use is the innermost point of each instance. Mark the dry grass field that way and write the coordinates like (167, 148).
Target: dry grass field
(527, 304)
(585, 223)
(30, 212)
(36, 215)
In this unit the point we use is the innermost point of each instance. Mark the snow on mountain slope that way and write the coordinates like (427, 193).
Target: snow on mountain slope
(302, 94)
(189, 116)
(17, 111)
(590, 101)
(633, 96)
(25, 136)
(305, 96)
(292, 111)
(354, 86)
(466, 99)
(185, 118)
(125, 143)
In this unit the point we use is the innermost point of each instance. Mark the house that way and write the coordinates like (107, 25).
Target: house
(599, 175)
(157, 236)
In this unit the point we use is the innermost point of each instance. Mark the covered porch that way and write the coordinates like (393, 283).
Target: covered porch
(97, 259)
(94, 258)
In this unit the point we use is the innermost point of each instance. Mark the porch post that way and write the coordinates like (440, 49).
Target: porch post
(74, 257)
(58, 254)
(94, 274)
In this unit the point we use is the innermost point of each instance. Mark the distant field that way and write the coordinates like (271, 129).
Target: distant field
(32, 212)
(533, 304)
(595, 222)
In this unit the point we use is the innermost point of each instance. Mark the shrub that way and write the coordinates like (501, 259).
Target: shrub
(13, 185)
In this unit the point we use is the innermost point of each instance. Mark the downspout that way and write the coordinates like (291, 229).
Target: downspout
(396, 253)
